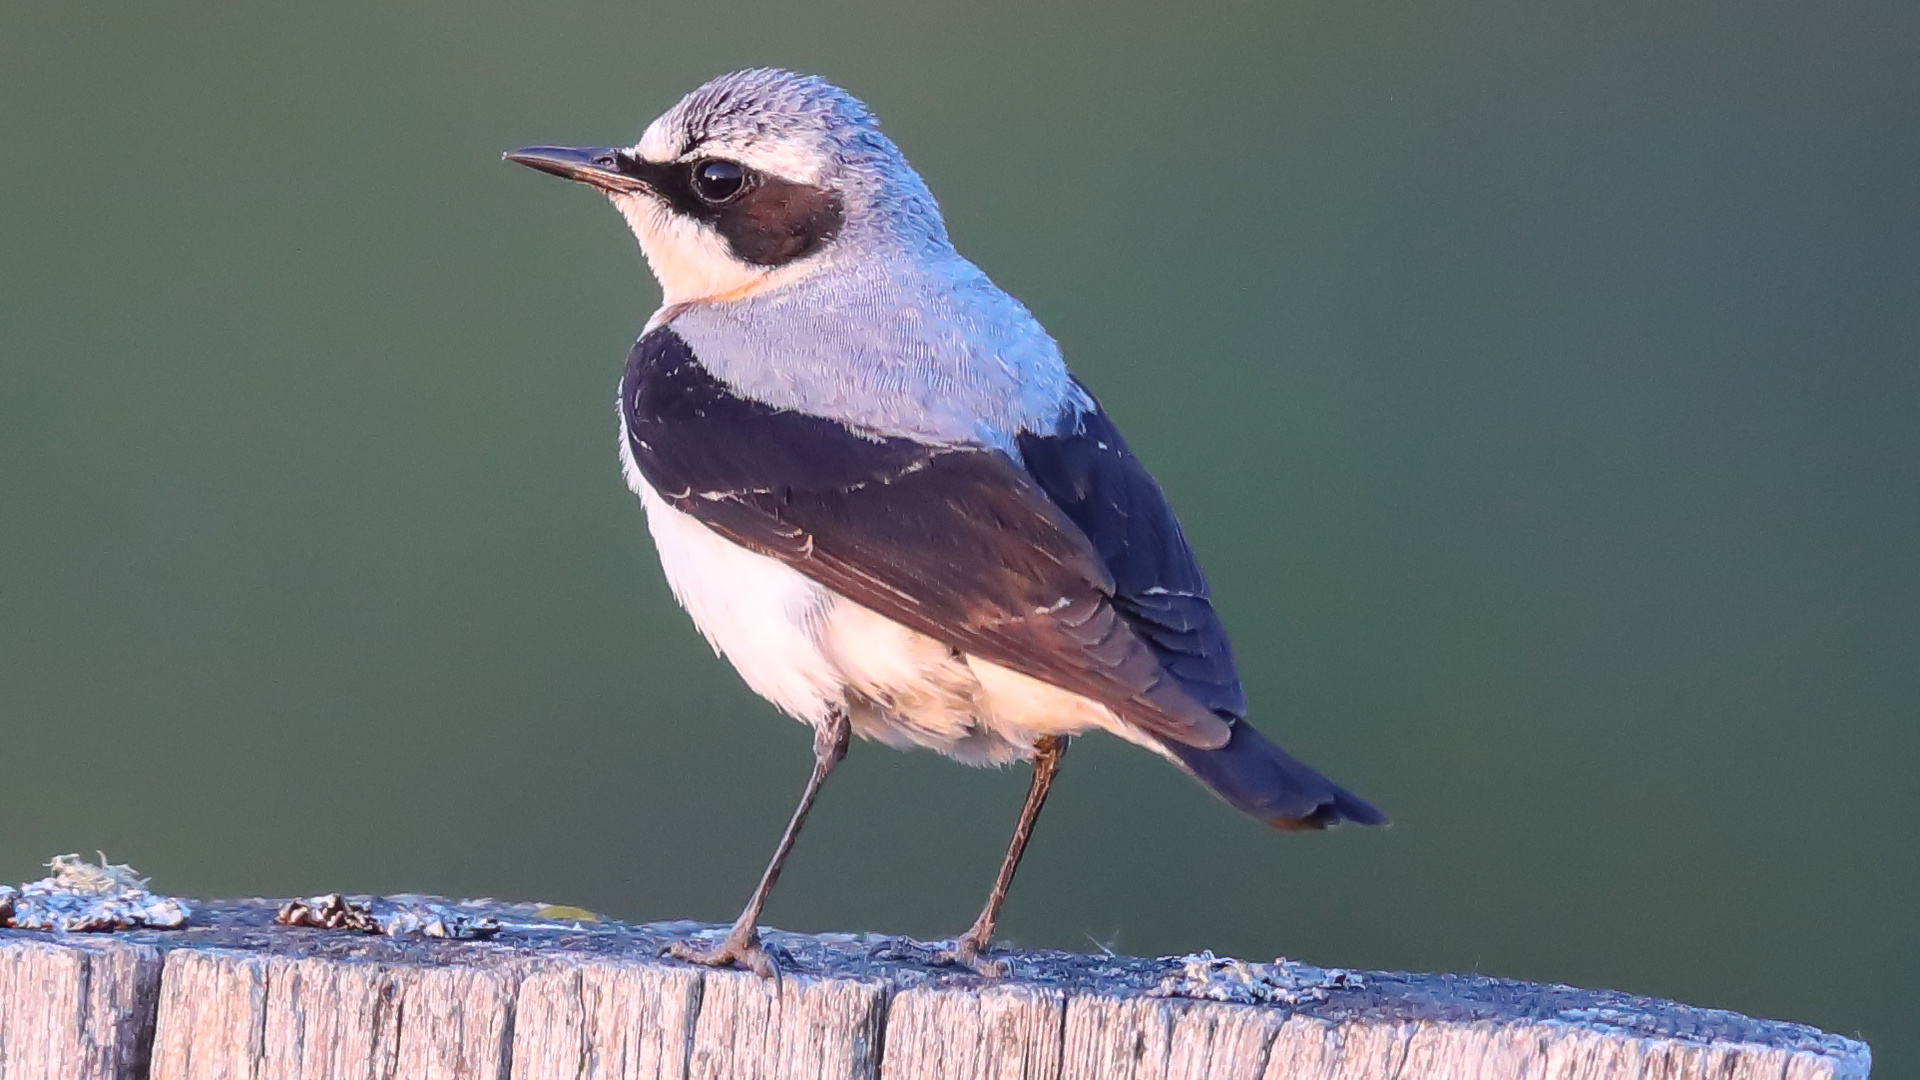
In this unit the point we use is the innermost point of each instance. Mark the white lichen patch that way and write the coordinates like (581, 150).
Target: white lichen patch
(84, 897)
(1207, 977)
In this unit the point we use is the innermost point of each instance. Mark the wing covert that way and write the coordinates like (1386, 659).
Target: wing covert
(961, 543)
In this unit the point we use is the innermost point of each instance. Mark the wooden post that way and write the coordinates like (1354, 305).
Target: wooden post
(233, 996)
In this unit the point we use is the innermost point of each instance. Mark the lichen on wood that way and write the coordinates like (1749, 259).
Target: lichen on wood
(82, 897)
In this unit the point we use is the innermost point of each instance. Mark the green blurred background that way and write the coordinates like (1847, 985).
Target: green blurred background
(1540, 385)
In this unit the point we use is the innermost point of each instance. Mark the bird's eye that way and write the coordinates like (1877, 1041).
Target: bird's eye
(718, 181)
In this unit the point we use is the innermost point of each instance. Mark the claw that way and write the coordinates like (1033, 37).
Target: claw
(966, 953)
(742, 950)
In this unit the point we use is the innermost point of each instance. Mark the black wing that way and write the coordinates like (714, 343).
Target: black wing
(1088, 472)
(1074, 573)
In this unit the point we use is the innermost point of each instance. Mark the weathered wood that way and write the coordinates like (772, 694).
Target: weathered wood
(234, 996)
(753, 1029)
(75, 1008)
(605, 1020)
(994, 1033)
(223, 1012)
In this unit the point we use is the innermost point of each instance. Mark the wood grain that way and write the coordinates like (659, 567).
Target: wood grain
(800, 1027)
(77, 1008)
(995, 1033)
(605, 1020)
(233, 997)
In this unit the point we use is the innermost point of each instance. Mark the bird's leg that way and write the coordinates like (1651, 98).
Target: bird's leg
(969, 949)
(742, 945)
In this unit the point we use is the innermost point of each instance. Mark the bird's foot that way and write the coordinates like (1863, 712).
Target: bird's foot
(742, 948)
(969, 952)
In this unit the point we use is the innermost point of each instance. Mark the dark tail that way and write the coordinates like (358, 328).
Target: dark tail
(1254, 776)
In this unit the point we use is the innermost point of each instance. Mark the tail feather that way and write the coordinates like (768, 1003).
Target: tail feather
(1254, 776)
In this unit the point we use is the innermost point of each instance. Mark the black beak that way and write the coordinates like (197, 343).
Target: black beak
(604, 167)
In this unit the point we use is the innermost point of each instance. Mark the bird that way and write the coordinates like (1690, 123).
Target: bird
(878, 491)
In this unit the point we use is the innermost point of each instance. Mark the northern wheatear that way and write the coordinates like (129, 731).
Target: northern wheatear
(878, 491)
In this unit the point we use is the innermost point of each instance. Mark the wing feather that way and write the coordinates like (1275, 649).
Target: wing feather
(959, 543)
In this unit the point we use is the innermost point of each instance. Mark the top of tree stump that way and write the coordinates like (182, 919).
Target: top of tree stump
(234, 993)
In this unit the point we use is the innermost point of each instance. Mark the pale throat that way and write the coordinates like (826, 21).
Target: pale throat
(691, 262)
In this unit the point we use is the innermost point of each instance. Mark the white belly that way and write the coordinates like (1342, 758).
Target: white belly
(760, 615)
(811, 651)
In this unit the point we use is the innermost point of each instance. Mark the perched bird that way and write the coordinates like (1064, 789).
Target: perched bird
(878, 491)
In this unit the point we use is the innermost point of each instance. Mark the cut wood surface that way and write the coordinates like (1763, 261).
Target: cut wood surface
(233, 995)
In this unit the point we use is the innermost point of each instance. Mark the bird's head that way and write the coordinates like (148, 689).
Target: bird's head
(755, 180)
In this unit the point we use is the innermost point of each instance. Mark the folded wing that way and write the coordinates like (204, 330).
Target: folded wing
(962, 544)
